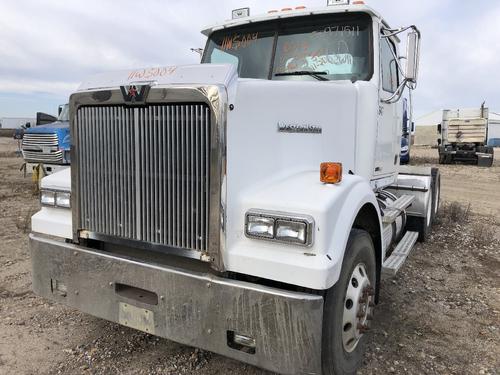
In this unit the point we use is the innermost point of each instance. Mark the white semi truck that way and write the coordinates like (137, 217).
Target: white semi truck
(464, 137)
(249, 205)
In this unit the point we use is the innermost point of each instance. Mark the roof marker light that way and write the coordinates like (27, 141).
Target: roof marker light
(358, 2)
(300, 7)
(337, 2)
(241, 13)
(286, 9)
(272, 11)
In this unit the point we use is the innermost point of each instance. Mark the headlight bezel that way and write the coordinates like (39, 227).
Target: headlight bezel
(282, 217)
(56, 194)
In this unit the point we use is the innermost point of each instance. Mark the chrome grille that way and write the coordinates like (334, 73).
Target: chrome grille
(31, 140)
(144, 173)
(40, 156)
(39, 147)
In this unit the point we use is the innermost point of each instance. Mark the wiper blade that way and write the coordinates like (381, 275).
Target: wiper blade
(317, 75)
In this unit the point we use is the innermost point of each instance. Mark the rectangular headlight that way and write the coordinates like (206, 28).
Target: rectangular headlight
(291, 231)
(258, 226)
(55, 198)
(48, 198)
(63, 199)
(280, 227)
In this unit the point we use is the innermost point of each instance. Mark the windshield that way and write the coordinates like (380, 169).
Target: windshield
(64, 115)
(336, 47)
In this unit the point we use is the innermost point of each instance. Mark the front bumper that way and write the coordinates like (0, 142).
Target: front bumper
(191, 308)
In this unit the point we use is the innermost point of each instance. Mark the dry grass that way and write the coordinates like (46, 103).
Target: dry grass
(454, 212)
(480, 230)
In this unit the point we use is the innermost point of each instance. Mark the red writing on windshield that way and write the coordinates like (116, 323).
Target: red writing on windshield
(237, 41)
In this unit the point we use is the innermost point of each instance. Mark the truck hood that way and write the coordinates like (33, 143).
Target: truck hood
(274, 127)
(199, 74)
(281, 128)
(48, 128)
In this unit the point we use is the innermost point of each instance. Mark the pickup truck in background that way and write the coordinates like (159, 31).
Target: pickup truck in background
(48, 144)
(464, 137)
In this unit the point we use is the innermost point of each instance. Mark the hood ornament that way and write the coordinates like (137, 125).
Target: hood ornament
(135, 94)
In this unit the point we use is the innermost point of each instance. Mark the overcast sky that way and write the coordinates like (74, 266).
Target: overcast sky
(47, 47)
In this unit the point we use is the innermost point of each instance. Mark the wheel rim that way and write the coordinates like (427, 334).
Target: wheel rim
(358, 308)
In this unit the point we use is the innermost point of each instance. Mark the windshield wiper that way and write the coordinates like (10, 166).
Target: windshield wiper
(317, 75)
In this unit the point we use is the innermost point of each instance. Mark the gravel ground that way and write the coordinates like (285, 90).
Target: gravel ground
(440, 315)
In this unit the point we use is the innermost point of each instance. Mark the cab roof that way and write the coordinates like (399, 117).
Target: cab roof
(303, 12)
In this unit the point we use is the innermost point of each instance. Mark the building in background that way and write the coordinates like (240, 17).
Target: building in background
(494, 130)
(16, 122)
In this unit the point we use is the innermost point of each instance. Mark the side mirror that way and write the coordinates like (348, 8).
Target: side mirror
(439, 142)
(412, 56)
(59, 110)
(439, 128)
(412, 127)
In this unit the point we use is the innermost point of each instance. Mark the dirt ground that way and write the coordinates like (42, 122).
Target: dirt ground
(440, 315)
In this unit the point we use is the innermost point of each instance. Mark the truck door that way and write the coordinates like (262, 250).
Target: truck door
(389, 121)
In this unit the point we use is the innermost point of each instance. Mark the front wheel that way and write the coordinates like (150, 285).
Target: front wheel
(349, 307)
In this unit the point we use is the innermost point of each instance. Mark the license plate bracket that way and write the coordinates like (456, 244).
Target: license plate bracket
(136, 317)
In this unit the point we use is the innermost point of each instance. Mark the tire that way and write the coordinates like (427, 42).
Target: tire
(436, 193)
(445, 158)
(340, 354)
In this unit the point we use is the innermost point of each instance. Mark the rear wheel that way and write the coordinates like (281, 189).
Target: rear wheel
(349, 307)
(422, 225)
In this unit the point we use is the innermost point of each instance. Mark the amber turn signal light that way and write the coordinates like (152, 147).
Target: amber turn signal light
(330, 173)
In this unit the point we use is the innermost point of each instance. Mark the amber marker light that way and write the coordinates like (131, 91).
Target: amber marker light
(330, 173)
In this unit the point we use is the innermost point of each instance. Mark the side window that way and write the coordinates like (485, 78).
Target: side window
(389, 66)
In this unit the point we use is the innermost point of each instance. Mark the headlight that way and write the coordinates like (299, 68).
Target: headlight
(48, 198)
(291, 231)
(260, 226)
(63, 199)
(280, 227)
(55, 198)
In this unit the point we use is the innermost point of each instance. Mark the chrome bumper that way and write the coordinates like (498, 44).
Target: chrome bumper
(195, 309)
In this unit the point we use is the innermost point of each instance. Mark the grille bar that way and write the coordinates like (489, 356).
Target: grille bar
(144, 173)
(39, 156)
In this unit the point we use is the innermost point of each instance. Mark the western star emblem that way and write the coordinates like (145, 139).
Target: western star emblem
(135, 94)
(299, 128)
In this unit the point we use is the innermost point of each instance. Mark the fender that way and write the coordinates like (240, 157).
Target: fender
(358, 197)
(54, 221)
(334, 209)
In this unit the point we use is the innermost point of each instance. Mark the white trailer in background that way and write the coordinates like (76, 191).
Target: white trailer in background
(249, 205)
